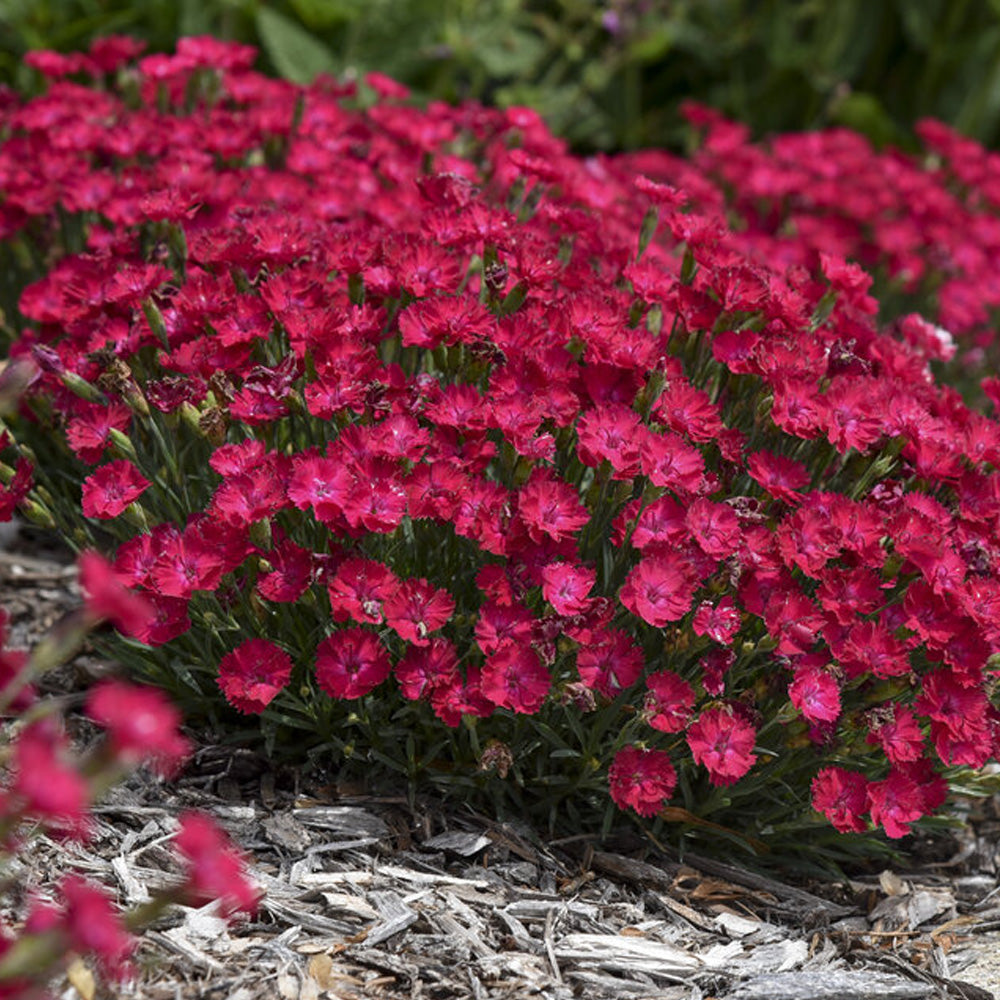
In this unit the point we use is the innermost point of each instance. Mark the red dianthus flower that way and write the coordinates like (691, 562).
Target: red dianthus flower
(896, 728)
(141, 724)
(566, 587)
(513, 677)
(87, 433)
(423, 669)
(215, 869)
(110, 489)
(253, 674)
(93, 925)
(359, 589)
(611, 663)
(714, 526)
(350, 663)
(641, 780)
(45, 784)
(668, 702)
(842, 797)
(106, 596)
(815, 693)
(723, 742)
(780, 476)
(659, 589)
(550, 507)
(720, 622)
(414, 609)
(895, 803)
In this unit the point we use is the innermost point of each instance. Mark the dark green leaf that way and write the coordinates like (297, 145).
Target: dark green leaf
(296, 54)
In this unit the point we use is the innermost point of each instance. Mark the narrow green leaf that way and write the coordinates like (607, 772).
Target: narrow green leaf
(648, 228)
(296, 54)
(514, 299)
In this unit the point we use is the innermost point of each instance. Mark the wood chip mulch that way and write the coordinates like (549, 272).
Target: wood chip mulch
(379, 898)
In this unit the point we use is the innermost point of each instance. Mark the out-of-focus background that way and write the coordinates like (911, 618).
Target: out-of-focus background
(606, 75)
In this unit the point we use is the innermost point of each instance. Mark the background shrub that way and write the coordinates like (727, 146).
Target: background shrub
(605, 75)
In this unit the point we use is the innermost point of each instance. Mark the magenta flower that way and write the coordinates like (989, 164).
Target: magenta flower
(815, 693)
(642, 780)
(44, 783)
(842, 797)
(253, 674)
(611, 663)
(350, 663)
(780, 476)
(659, 589)
(566, 587)
(93, 925)
(106, 596)
(514, 678)
(549, 507)
(87, 433)
(720, 622)
(415, 609)
(722, 741)
(110, 489)
(215, 868)
(669, 701)
(895, 803)
(141, 724)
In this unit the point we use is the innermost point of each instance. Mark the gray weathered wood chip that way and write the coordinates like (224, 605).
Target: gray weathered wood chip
(396, 917)
(321, 880)
(450, 926)
(283, 830)
(349, 905)
(429, 878)
(597, 985)
(622, 953)
(736, 926)
(830, 985)
(349, 820)
(459, 842)
(176, 943)
(382, 960)
(924, 905)
(538, 909)
(290, 914)
(780, 956)
(533, 968)
(646, 875)
(519, 933)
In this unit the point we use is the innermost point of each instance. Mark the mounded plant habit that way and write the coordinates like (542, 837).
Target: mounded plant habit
(442, 450)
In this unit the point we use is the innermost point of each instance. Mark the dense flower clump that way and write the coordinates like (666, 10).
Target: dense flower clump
(927, 226)
(414, 406)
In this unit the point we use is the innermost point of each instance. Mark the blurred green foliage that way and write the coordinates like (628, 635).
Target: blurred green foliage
(607, 74)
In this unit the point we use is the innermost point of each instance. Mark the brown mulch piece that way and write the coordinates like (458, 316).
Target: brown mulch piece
(374, 898)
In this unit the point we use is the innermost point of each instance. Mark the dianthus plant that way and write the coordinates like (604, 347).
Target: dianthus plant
(432, 443)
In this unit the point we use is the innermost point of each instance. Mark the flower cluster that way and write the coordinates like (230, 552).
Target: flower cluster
(925, 225)
(413, 405)
(47, 788)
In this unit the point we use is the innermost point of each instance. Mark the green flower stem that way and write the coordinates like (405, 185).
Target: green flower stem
(32, 956)
(61, 643)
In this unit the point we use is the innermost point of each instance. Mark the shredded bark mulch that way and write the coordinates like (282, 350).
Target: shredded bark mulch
(384, 898)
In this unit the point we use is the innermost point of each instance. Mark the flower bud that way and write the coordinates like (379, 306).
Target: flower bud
(82, 388)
